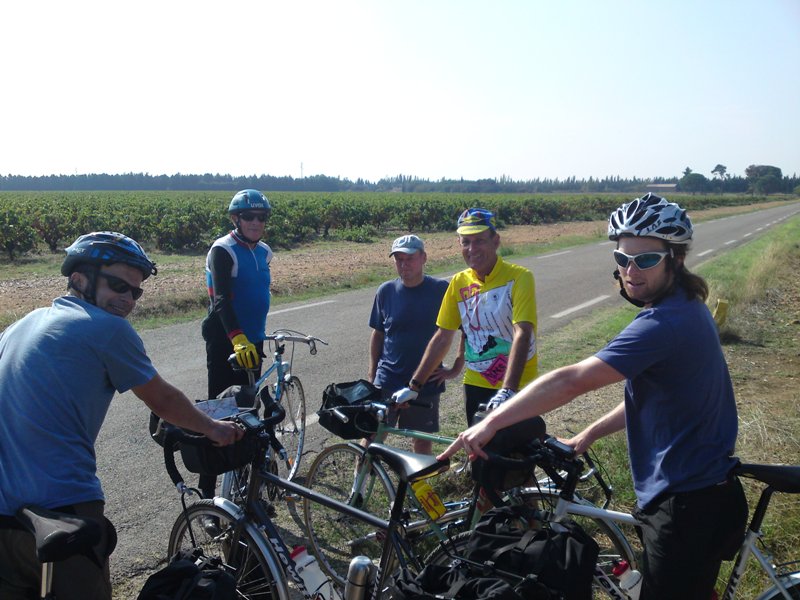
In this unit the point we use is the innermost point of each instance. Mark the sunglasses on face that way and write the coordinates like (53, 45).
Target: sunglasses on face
(643, 261)
(262, 217)
(120, 286)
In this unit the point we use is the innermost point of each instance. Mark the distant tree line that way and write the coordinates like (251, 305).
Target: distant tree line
(758, 179)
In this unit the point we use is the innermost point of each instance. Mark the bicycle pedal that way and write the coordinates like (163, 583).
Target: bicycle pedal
(289, 497)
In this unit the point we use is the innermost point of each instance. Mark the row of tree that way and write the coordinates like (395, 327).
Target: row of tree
(758, 179)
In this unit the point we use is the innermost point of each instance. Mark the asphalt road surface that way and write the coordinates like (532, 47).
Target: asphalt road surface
(141, 500)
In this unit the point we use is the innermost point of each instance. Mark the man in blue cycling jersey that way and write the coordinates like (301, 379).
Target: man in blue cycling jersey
(59, 369)
(679, 409)
(238, 279)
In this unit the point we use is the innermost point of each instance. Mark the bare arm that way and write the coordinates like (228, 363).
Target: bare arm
(518, 355)
(542, 395)
(611, 422)
(443, 373)
(375, 351)
(434, 354)
(172, 405)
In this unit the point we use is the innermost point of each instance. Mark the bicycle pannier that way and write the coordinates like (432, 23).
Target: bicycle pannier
(457, 582)
(562, 555)
(190, 576)
(353, 393)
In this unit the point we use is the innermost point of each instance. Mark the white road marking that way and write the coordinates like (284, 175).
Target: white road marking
(564, 313)
(554, 254)
(730, 242)
(313, 304)
(706, 252)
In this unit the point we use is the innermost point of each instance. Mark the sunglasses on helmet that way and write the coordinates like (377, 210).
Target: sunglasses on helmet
(120, 286)
(248, 216)
(643, 261)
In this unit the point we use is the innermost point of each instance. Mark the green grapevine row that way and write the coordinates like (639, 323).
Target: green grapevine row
(172, 221)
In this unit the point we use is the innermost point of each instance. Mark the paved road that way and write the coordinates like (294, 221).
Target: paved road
(139, 495)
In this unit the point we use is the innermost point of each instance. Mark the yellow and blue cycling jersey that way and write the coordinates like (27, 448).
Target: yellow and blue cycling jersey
(486, 311)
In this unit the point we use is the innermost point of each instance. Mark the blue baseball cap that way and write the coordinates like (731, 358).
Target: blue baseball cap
(476, 220)
(407, 244)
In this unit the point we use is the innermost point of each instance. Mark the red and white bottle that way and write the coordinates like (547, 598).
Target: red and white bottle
(630, 580)
(318, 586)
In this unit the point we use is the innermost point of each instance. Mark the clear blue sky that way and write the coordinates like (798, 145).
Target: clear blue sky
(373, 88)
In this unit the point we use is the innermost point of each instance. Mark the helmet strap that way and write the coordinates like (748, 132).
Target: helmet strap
(241, 235)
(90, 292)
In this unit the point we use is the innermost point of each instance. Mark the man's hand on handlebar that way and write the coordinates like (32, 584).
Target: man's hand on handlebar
(224, 433)
(403, 396)
(246, 353)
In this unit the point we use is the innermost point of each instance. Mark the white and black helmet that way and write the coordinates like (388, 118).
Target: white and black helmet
(651, 216)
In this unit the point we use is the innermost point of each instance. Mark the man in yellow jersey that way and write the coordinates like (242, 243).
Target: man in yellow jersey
(494, 303)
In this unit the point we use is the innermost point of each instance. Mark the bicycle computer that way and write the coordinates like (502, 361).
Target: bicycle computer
(249, 420)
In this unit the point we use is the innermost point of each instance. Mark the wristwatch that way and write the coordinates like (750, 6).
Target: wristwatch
(414, 384)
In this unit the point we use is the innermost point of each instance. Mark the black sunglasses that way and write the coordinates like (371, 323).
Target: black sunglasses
(643, 261)
(120, 286)
(246, 216)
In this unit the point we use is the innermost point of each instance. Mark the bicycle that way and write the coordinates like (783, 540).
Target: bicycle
(347, 472)
(557, 494)
(288, 391)
(247, 541)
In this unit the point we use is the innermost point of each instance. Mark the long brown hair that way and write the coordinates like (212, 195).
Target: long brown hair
(695, 286)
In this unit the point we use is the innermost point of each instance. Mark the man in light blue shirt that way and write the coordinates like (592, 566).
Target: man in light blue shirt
(60, 366)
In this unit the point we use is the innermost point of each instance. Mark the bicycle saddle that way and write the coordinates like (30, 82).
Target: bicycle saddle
(58, 535)
(408, 466)
(781, 478)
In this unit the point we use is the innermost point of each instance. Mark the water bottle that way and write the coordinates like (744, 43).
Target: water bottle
(630, 580)
(314, 579)
(429, 499)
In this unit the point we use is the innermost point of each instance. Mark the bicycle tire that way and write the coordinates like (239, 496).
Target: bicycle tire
(613, 543)
(336, 538)
(291, 432)
(257, 577)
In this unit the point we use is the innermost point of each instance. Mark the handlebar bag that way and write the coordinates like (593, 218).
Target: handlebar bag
(343, 395)
(561, 555)
(216, 460)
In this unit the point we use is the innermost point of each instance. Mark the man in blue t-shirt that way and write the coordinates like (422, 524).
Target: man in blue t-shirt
(679, 409)
(60, 366)
(403, 320)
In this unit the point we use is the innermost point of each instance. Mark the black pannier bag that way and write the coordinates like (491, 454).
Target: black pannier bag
(457, 582)
(190, 576)
(359, 424)
(562, 555)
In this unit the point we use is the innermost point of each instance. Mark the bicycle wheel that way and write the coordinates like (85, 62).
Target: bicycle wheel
(291, 432)
(234, 485)
(336, 538)
(613, 544)
(213, 530)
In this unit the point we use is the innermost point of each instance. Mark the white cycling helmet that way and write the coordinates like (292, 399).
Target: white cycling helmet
(651, 216)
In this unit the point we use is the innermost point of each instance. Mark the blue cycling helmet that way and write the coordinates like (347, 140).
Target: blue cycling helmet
(249, 200)
(105, 248)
